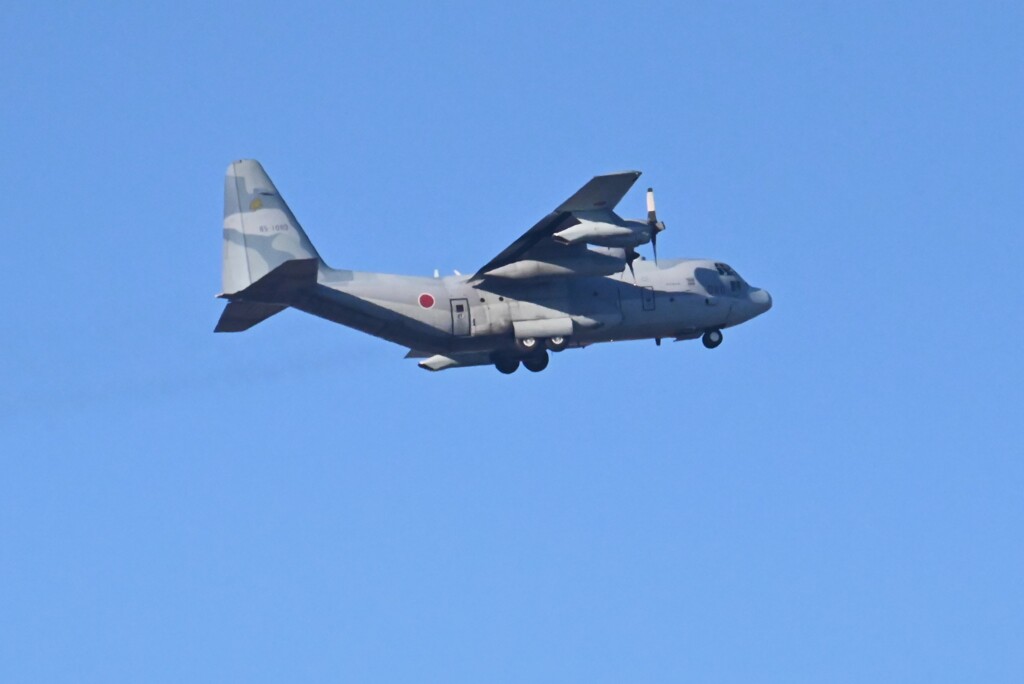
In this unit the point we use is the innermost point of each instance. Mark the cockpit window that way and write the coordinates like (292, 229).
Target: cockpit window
(726, 272)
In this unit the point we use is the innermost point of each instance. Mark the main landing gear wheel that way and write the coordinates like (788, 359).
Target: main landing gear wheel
(527, 344)
(536, 363)
(712, 338)
(506, 366)
(556, 343)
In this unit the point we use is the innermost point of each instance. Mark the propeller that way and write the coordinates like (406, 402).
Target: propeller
(652, 220)
(631, 256)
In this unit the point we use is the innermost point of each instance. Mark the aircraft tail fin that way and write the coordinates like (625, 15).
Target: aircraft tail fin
(260, 231)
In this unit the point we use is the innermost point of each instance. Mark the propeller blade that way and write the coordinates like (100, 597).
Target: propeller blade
(631, 256)
(652, 220)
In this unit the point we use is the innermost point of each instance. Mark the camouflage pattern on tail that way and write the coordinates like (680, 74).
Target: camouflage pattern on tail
(260, 231)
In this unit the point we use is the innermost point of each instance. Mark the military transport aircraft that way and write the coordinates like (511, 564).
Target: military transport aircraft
(571, 280)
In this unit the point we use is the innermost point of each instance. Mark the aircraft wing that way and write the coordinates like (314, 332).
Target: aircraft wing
(600, 195)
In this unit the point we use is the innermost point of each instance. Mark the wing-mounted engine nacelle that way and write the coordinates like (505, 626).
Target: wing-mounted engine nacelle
(624, 234)
(605, 228)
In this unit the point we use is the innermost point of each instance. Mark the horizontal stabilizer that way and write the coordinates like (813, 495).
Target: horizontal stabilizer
(239, 316)
(280, 285)
(270, 294)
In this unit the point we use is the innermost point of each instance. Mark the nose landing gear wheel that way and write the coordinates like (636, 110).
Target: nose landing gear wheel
(507, 366)
(557, 343)
(536, 363)
(712, 338)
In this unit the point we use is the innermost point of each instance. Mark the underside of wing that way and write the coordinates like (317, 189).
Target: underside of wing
(535, 243)
(536, 253)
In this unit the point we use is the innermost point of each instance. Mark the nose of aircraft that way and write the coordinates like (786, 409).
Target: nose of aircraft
(761, 299)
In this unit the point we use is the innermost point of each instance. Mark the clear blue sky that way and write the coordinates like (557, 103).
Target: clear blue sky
(833, 495)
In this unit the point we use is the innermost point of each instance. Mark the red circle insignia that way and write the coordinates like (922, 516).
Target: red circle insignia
(426, 301)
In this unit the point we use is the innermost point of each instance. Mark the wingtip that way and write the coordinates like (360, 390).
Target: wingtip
(633, 173)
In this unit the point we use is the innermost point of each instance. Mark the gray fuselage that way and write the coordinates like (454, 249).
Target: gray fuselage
(678, 299)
